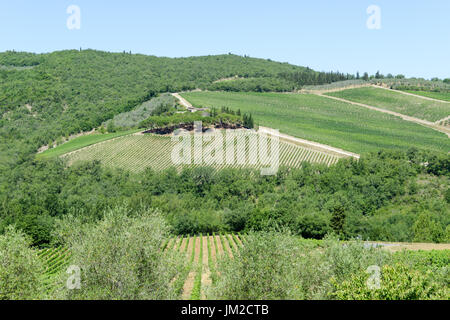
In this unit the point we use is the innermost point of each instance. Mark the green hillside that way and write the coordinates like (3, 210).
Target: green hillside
(396, 101)
(43, 97)
(323, 120)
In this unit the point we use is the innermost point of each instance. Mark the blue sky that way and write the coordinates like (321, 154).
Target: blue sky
(414, 38)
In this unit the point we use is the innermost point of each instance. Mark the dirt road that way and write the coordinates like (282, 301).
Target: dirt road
(404, 117)
(411, 94)
(309, 144)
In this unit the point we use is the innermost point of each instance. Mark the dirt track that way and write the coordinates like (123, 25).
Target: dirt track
(411, 94)
(399, 246)
(426, 123)
(310, 144)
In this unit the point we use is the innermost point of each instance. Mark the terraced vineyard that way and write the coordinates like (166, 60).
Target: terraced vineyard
(137, 152)
(330, 122)
(54, 260)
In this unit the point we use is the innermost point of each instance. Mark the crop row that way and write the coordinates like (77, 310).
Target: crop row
(137, 152)
(201, 252)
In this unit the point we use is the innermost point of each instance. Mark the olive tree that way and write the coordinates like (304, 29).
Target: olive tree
(119, 257)
(264, 268)
(20, 268)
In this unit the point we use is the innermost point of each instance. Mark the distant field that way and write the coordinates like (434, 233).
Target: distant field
(81, 142)
(445, 96)
(323, 120)
(396, 101)
(137, 152)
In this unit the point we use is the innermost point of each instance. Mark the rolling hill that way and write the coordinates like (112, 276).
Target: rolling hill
(330, 122)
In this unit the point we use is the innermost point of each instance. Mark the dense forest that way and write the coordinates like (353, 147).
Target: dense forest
(393, 196)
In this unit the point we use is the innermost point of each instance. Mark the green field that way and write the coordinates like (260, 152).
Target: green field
(82, 142)
(323, 120)
(397, 102)
(445, 96)
(137, 152)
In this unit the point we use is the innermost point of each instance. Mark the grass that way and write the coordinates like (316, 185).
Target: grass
(179, 282)
(82, 142)
(195, 294)
(397, 102)
(211, 266)
(330, 122)
(445, 96)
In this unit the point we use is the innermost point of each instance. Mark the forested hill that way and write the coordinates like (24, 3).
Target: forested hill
(387, 195)
(44, 96)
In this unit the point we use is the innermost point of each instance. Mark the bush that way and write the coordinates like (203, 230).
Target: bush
(120, 257)
(427, 230)
(20, 268)
(396, 283)
(265, 268)
(276, 265)
(351, 257)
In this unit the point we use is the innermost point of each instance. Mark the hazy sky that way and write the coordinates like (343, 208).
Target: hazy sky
(414, 38)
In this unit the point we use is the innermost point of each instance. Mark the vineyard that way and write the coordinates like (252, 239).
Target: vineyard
(137, 152)
(397, 101)
(445, 96)
(202, 254)
(334, 123)
(54, 260)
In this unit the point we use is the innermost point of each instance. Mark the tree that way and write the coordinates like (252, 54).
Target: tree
(366, 76)
(111, 127)
(426, 229)
(264, 268)
(378, 75)
(20, 268)
(248, 121)
(120, 257)
(357, 75)
(338, 219)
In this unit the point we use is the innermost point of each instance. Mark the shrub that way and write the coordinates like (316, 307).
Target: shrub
(265, 268)
(20, 268)
(396, 283)
(351, 257)
(120, 257)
